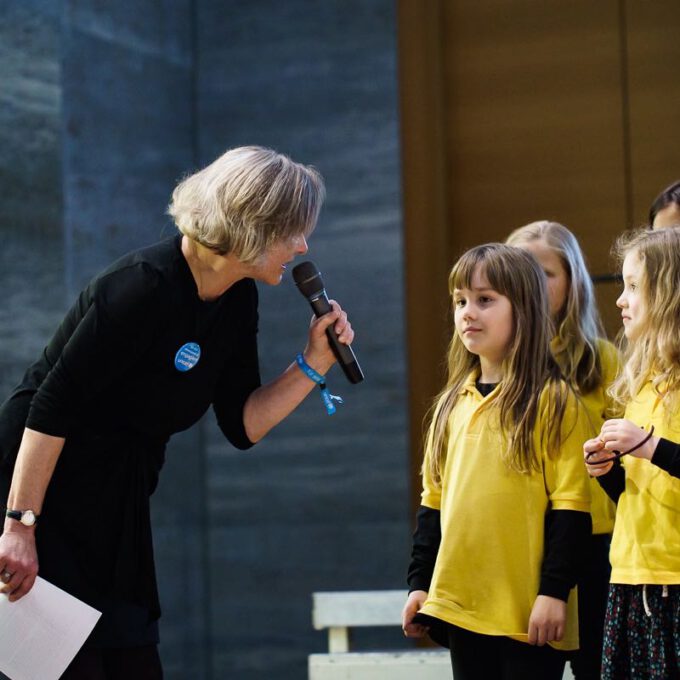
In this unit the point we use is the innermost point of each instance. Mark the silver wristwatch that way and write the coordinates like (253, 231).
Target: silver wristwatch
(26, 517)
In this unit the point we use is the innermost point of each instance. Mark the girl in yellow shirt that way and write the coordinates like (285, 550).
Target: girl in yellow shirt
(589, 363)
(642, 624)
(505, 504)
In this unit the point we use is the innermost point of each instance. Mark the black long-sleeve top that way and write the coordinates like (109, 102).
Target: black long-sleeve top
(110, 383)
(666, 456)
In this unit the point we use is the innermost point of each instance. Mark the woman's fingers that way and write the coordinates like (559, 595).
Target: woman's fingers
(338, 320)
(19, 563)
(343, 328)
(11, 581)
(23, 587)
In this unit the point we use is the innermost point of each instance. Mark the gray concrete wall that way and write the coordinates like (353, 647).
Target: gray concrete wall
(321, 504)
(133, 96)
(31, 266)
(129, 134)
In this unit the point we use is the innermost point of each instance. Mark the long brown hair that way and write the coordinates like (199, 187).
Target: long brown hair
(527, 368)
(655, 352)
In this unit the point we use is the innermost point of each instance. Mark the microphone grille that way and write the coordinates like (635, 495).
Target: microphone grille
(307, 278)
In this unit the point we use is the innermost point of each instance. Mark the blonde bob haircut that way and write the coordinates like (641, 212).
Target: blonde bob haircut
(578, 326)
(655, 352)
(528, 369)
(246, 200)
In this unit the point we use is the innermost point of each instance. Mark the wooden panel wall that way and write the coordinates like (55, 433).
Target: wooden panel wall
(513, 112)
(653, 51)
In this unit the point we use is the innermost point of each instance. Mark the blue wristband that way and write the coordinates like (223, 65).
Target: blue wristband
(320, 380)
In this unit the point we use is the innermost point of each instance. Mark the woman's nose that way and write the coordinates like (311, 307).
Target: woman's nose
(302, 246)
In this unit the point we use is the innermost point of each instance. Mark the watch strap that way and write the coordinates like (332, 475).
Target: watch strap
(18, 514)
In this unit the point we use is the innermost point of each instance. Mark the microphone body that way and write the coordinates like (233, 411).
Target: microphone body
(308, 280)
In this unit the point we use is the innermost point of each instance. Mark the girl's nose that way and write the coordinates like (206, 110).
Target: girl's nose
(621, 301)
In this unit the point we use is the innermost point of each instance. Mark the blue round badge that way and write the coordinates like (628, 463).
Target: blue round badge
(187, 356)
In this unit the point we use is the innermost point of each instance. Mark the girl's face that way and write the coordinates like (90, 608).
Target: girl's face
(630, 301)
(667, 217)
(555, 271)
(483, 319)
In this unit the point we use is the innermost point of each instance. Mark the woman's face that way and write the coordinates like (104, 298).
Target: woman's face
(667, 217)
(555, 271)
(271, 266)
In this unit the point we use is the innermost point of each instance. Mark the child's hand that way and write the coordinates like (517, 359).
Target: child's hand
(620, 435)
(547, 620)
(416, 600)
(594, 468)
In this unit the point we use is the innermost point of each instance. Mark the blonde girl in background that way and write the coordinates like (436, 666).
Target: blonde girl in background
(642, 624)
(589, 363)
(505, 507)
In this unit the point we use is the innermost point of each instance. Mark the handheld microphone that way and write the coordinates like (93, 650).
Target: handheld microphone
(309, 282)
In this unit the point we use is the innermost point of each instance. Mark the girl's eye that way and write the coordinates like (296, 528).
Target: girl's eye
(459, 303)
(484, 299)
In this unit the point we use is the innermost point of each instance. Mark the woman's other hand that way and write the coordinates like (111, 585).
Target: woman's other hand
(18, 561)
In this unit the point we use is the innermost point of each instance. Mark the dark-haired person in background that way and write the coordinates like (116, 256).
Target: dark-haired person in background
(665, 210)
(149, 345)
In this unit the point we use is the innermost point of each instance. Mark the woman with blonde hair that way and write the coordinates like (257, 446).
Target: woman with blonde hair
(149, 345)
(589, 363)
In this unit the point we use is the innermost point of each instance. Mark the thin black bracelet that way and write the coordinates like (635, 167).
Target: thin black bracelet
(617, 454)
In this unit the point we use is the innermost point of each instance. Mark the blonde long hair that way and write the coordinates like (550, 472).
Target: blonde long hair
(578, 326)
(655, 352)
(527, 368)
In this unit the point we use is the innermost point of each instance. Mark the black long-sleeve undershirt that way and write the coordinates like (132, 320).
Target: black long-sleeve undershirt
(666, 456)
(567, 533)
(614, 482)
(426, 539)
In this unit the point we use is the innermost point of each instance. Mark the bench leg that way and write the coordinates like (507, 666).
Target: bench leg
(338, 640)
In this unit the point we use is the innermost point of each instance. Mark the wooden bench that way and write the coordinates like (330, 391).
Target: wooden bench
(341, 611)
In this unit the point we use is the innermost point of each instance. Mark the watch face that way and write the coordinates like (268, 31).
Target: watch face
(28, 518)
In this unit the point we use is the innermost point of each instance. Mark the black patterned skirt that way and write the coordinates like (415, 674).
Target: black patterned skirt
(642, 633)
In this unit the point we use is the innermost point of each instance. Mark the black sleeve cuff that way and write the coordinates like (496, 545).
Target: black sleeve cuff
(667, 457)
(567, 533)
(553, 587)
(426, 540)
(614, 482)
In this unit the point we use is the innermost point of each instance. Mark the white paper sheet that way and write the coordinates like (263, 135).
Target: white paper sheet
(42, 632)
